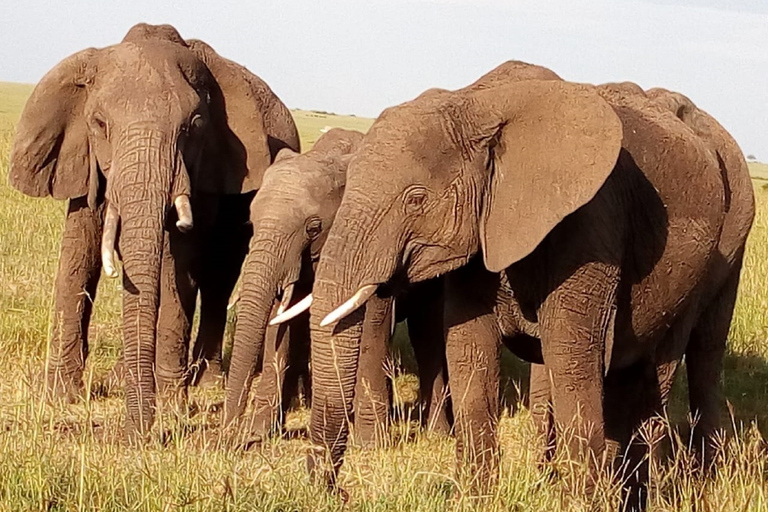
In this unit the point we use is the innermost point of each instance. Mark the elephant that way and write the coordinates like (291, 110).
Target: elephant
(602, 210)
(159, 144)
(291, 215)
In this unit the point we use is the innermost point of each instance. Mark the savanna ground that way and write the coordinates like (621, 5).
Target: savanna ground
(70, 457)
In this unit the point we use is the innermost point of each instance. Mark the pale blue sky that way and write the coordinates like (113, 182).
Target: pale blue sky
(361, 56)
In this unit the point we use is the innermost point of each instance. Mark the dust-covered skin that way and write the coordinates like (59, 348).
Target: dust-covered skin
(142, 126)
(292, 215)
(603, 209)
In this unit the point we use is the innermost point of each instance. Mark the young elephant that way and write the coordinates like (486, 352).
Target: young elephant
(292, 214)
(604, 213)
(142, 126)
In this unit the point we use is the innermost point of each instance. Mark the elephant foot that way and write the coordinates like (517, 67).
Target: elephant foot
(369, 437)
(62, 387)
(439, 425)
(205, 373)
(109, 384)
(323, 472)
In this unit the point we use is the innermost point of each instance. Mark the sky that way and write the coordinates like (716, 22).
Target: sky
(360, 56)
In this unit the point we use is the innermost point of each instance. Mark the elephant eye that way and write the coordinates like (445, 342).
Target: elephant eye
(99, 124)
(414, 200)
(313, 227)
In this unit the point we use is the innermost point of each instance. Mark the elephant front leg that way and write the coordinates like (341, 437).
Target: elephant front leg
(473, 342)
(373, 394)
(540, 405)
(174, 323)
(425, 330)
(76, 282)
(575, 320)
(267, 414)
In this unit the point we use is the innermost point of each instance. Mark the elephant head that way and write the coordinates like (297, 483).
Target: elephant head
(151, 122)
(291, 215)
(487, 169)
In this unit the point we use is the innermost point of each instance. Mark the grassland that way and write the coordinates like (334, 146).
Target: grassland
(57, 457)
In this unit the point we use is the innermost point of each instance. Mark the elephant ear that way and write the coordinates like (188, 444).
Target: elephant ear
(237, 153)
(50, 154)
(551, 147)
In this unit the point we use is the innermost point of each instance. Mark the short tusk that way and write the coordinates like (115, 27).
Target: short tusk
(393, 323)
(287, 294)
(184, 212)
(294, 311)
(357, 300)
(234, 301)
(111, 219)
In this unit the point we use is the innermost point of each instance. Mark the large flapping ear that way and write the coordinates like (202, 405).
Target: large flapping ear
(552, 145)
(237, 153)
(50, 154)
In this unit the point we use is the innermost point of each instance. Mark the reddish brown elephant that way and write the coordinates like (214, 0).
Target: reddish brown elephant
(127, 133)
(604, 211)
(292, 215)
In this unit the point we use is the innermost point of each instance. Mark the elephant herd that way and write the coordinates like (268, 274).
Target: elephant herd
(596, 231)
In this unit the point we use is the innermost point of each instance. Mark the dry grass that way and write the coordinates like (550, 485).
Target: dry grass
(71, 458)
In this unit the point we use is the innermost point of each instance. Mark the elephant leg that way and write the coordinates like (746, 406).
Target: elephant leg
(373, 392)
(704, 362)
(218, 277)
(631, 404)
(297, 371)
(575, 320)
(425, 330)
(76, 282)
(267, 414)
(174, 322)
(473, 342)
(540, 405)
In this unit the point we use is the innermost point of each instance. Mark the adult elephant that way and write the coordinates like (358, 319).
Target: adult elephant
(126, 133)
(604, 213)
(292, 215)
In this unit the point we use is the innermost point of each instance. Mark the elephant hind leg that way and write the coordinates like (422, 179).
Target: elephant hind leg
(76, 282)
(704, 362)
(226, 245)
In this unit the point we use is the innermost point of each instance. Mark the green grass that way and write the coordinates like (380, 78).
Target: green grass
(57, 457)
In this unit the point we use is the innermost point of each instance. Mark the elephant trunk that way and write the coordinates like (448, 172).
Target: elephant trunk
(335, 348)
(140, 188)
(260, 280)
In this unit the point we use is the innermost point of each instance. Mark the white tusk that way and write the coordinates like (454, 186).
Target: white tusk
(234, 301)
(394, 318)
(357, 300)
(184, 212)
(293, 311)
(108, 237)
(287, 294)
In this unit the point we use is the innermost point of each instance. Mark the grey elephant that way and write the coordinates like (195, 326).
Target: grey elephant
(159, 144)
(603, 210)
(292, 215)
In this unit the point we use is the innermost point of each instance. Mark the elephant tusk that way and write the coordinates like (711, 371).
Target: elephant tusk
(357, 300)
(393, 323)
(287, 294)
(294, 311)
(184, 212)
(111, 219)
